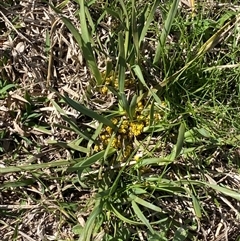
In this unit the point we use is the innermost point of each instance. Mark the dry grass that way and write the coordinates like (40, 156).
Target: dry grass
(44, 204)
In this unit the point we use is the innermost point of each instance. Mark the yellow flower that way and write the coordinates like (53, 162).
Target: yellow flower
(139, 104)
(122, 130)
(157, 117)
(125, 122)
(108, 81)
(104, 90)
(137, 157)
(96, 148)
(136, 129)
(116, 83)
(109, 130)
(127, 151)
(114, 142)
(114, 121)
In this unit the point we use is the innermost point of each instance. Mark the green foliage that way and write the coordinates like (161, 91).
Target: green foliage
(148, 160)
(5, 87)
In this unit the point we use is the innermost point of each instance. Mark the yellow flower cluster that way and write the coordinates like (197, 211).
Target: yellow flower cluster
(136, 129)
(143, 114)
(112, 80)
(126, 131)
(128, 151)
(123, 128)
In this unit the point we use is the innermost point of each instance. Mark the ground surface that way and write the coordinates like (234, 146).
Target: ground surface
(194, 194)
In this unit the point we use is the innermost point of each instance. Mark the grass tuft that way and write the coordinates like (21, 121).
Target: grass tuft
(119, 120)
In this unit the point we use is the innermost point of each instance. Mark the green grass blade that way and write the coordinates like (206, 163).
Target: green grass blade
(166, 30)
(73, 126)
(149, 20)
(91, 160)
(109, 67)
(127, 26)
(6, 88)
(181, 234)
(132, 107)
(124, 102)
(90, 224)
(89, 56)
(68, 145)
(196, 206)
(121, 63)
(208, 45)
(84, 26)
(121, 217)
(73, 31)
(90, 21)
(180, 139)
(86, 48)
(82, 109)
(154, 160)
(141, 216)
(225, 191)
(22, 168)
(145, 203)
(178, 147)
(138, 72)
(21, 183)
(134, 28)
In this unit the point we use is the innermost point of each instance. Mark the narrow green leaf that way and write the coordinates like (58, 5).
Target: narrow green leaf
(226, 191)
(89, 227)
(178, 147)
(154, 128)
(149, 20)
(135, 29)
(21, 183)
(166, 30)
(85, 134)
(196, 206)
(74, 31)
(82, 109)
(154, 160)
(84, 26)
(121, 63)
(121, 217)
(145, 203)
(139, 74)
(6, 88)
(140, 215)
(109, 67)
(11, 169)
(181, 234)
(89, 56)
(203, 132)
(127, 23)
(73, 126)
(91, 160)
(86, 49)
(16, 231)
(68, 145)
(63, 4)
(42, 129)
(152, 114)
(115, 14)
(124, 102)
(90, 22)
(132, 107)
(180, 139)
